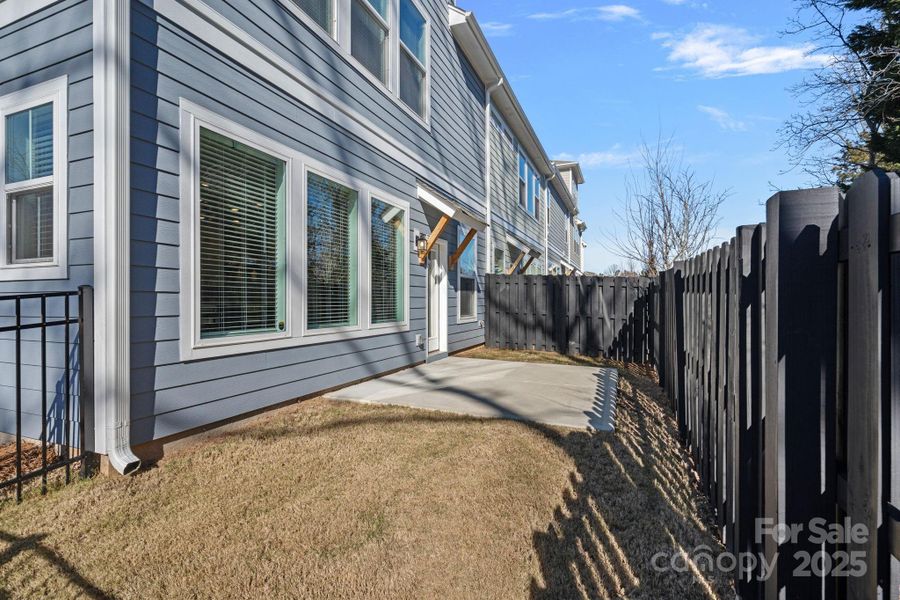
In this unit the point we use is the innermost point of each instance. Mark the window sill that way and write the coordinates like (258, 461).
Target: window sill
(466, 320)
(195, 353)
(33, 272)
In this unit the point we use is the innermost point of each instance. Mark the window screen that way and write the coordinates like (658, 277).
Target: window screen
(29, 144)
(332, 254)
(412, 83)
(321, 11)
(368, 39)
(388, 263)
(242, 258)
(412, 57)
(467, 275)
(31, 215)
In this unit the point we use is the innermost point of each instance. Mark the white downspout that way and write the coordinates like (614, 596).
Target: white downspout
(547, 198)
(112, 234)
(488, 108)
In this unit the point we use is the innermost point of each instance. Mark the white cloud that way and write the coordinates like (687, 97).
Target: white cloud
(610, 12)
(615, 157)
(495, 29)
(724, 120)
(715, 51)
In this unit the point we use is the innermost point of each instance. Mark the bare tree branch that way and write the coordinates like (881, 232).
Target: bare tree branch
(669, 214)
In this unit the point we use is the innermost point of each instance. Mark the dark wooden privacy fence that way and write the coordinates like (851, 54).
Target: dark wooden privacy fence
(609, 316)
(780, 353)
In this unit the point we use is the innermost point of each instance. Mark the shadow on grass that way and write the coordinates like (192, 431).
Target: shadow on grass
(34, 543)
(631, 495)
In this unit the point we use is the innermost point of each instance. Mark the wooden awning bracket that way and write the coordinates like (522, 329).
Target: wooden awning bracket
(462, 248)
(515, 265)
(433, 238)
(528, 264)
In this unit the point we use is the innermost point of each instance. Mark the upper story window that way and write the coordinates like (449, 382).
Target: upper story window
(320, 11)
(529, 186)
(387, 39)
(32, 220)
(369, 32)
(413, 72)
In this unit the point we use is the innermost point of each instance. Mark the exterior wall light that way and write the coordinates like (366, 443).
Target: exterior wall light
(421, 243)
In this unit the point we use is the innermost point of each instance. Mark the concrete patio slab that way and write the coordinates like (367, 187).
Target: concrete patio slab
(580, 397)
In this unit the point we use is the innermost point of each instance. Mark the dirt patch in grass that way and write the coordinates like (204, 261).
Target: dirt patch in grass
(31, 458)
(337, 500)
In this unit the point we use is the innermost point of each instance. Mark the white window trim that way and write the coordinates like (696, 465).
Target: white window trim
(459, 318)
(55, 91)
(15, 10)
(339, 41)
(332, 33)
(192, 119)
(404, 206)
(296, 332)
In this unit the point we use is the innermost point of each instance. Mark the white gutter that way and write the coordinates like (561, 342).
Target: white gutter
(488, 186)
(469, 35)
(112, 211)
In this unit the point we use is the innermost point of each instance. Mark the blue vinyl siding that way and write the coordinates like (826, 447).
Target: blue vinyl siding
(168, 396)
(508, 215)
(47, 44)
(457, 97)
(556, 230)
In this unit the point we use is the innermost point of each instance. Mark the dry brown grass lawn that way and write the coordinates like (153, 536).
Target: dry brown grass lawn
(336, 500)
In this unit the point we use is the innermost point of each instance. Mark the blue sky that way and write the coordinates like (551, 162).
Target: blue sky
(596, 78)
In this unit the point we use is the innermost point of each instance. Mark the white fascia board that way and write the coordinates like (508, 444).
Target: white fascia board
(450, 208)
(571, 165)
(524, 247)
(563, 190)
(469, 35)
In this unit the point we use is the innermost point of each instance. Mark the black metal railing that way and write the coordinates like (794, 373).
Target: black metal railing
(45, 339)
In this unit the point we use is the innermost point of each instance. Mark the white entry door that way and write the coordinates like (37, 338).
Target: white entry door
(437, 298)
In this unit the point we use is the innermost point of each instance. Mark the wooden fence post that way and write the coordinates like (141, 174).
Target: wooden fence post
(868, 207)
(801, 264)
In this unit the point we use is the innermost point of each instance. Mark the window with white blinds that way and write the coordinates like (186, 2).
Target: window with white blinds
(388, 263)
(467, 275)
(286, 250)
(29, 168)
(332, 254)
(242, 239)
(320, 11)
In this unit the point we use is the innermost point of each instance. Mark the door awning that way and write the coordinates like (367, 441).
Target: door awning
(527, 248)
(450, 208)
